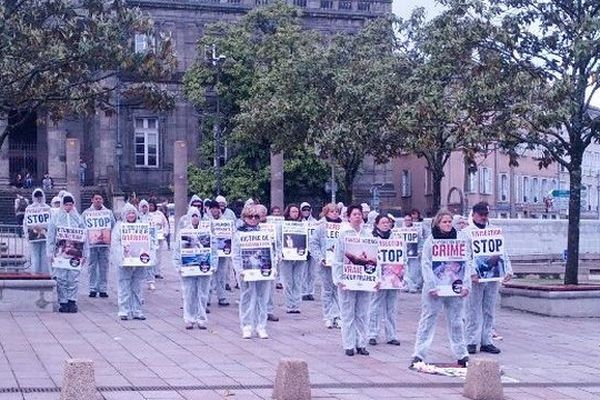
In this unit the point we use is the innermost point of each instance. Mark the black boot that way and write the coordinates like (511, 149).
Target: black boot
(64, 308)
(72, 306)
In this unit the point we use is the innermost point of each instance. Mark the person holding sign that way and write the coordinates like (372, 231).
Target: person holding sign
(492, 266)
(35, 226)
(161, 226)
(292, 235)
(308, 280)
(350, 266)
(443, 244)
(322, 246)
(99, 221)
(222, 229)
(67, 249)
(414, 243)
(130, 250)
(253, 253)
(195, 258)
(145, 217)
(384, 303)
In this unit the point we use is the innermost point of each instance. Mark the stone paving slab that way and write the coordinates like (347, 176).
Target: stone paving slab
(550, 358)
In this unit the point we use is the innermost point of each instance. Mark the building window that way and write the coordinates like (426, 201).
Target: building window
(428, 182)
(503, 189)
(472, 183)
(364, 6)
(544, 189)
(261, 2)
(535, 190)
(553, 185)
(300, 3)
(406, 184)
(146, 142)
(234, 1)
(526, 190)
(327, 4)
(485, 181)
(345, 5)
(144, 43)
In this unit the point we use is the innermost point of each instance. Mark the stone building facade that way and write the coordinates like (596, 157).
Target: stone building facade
(132, 148)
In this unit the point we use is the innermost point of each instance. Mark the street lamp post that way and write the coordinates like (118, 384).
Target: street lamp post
(217, 62)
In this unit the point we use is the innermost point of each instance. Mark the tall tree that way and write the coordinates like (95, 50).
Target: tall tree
(332, 94)
(441, 106)
(62, 56)
(548, 61)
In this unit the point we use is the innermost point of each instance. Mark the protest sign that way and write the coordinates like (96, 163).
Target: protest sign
(449, 258)
(68, 250)
(275, 219)
(410, 236)
(488, 248)
(294, 239)
(391, 263)
(136, 244)
(98, 223)
(222, 230)
(360, 271)
(36, 220)
(195, 251)
(332, 233)
(269, 228)
(257, 256)
(157, 220)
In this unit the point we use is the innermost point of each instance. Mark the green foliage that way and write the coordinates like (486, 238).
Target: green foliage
(247, 174)
(63, 57)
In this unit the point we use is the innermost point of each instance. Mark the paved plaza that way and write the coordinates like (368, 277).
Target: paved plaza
(542, 358)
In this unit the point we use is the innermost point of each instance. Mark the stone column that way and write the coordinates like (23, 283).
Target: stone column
(56, 134)
(73, 183)
(105, 147)
(180, 178)
(4, 160)
(277, 179)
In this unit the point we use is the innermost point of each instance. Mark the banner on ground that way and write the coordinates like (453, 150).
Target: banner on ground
(257, 256)
(68, 251)
(222, 230)
(391, 263)
(360, 271)
(137, 245)
(294, 240)
(410, 236)
(449, 259)
(36, 220)
(195, 251)
(332, 233)
(488, 248)
(98, 223)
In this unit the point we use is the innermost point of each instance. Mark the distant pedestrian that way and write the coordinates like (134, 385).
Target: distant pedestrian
(82, 171)
(21, 204)
(19, 181)
(28, 181)
(47, 182)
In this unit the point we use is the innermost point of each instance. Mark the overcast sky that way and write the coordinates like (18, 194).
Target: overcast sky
(403, 8)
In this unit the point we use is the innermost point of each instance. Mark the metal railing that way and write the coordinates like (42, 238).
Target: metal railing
(13, 249)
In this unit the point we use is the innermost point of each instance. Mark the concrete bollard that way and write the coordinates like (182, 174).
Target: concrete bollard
(79, 382)
(292, 381)
(483, 380)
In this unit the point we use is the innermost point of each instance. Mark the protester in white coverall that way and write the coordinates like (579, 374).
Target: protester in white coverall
(432, 304)
(99, 253)
(145, 217)
(312, 264)
(130, 278)
(254, 295)
(195, 288)
(384, 302)
(37, 247)
(354, 304)
(67, 280)
(318, 247)
(292, 272)
(220, 276)
(414, 276)
(161, 225)
(481, 304)
(262, 212)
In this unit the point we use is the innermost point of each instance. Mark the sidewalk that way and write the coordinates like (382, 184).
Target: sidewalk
(549, 358)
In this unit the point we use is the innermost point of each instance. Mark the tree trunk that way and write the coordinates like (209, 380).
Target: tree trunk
(572, 268)
(348, 181)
